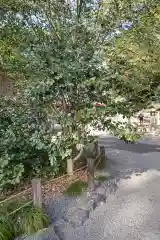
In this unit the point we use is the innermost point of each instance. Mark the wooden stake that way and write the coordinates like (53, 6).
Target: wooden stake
(90, 162)
(96, 148)
(37, 193)
(70, 167)
(103, 158)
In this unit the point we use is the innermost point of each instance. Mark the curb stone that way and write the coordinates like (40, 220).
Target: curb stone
(77, 217)
(46, 234)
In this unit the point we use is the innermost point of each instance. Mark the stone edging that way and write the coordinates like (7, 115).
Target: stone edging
(78, 216)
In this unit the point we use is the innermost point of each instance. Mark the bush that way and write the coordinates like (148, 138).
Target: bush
(127, 133)
(26, 150)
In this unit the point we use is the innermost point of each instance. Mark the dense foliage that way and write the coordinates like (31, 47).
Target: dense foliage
(137, 53)
(60, 55)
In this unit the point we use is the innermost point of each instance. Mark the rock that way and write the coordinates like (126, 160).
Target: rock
(62, 228)
(78, 217)
(46, 234)
(21, 237)
(97, 199)
(101, 190)
(88, 205)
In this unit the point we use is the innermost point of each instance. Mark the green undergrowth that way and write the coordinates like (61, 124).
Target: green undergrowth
(7, 231)
(26, 221)
(11, 205)
(30, 220)
(76, 188)
(101, 178)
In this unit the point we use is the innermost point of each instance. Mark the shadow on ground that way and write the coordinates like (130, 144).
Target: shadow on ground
(138, 147)
(59, 207)
(129, 159)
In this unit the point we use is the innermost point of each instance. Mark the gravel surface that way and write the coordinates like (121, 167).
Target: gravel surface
(133, 212)
(127, 208)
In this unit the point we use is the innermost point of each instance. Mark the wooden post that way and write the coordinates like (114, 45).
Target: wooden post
(152, 121)
(158, 120)
(90, 163)
(37, 193)
(70, 167)
(101, 164)
(96, 148)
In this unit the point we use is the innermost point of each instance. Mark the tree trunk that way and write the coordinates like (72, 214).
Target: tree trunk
(96, 148)
(90, 162)
(152, 124)
(158, 120)
(101, 164)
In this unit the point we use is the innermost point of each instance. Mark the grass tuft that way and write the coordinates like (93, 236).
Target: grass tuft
(6, 228)
(30, 220)
(102, 178)
(76, 188)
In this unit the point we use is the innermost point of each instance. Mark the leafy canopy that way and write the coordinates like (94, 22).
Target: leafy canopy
(60, 55)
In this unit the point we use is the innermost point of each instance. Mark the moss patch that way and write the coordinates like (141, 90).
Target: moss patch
(103, 178)
(76, 188)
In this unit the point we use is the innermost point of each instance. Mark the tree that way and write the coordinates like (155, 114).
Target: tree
(136, 55)
(56, 53)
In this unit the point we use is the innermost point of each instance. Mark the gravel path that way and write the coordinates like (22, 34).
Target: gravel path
(133, 212)
(132, 208)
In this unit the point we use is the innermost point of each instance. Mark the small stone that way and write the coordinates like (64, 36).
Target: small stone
(126, 177)
(138, 174)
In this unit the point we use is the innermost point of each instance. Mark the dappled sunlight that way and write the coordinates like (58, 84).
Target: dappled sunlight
(140, 180)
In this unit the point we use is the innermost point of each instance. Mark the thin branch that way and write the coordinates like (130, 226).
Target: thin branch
(80, 154)
(79, 8)
(49, 18)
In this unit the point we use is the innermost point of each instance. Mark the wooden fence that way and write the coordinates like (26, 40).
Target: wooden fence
(35, 194)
